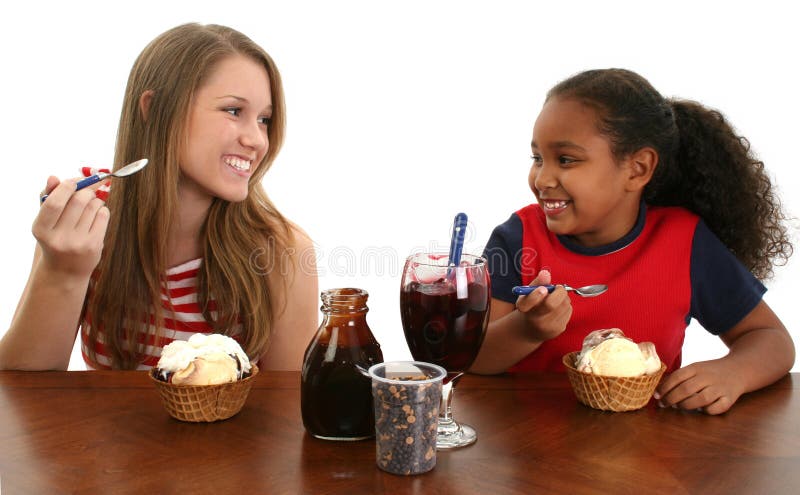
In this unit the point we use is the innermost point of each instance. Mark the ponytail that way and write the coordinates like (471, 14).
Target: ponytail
(714, 174)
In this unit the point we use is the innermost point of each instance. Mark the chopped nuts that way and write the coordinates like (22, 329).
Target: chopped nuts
(406, 425)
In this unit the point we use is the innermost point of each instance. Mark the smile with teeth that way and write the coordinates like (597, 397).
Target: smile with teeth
(238, 163)
(554, 205)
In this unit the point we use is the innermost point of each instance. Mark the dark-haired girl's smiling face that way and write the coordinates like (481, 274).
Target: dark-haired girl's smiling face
(582, 189)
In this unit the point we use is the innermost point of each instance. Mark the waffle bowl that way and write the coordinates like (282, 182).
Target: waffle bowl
(611, 393)
(204, 403)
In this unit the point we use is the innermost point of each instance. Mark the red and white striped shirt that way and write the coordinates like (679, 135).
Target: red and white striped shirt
(180, 324)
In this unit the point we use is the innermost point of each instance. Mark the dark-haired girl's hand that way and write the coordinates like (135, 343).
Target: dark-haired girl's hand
(516, 330)
(546, 314)
(761, 352)
(710, 386)
(70, 229)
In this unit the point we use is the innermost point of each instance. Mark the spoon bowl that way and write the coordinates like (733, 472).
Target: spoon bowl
(585, 291)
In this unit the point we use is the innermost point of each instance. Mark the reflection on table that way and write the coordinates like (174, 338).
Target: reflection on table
(106, 432)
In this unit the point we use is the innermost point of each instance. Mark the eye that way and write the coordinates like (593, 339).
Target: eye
(235, 111)
(537, 159)
(566, 160)
(264, 120)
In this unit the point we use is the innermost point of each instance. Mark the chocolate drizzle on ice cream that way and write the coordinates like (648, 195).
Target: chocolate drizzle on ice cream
(203, 360)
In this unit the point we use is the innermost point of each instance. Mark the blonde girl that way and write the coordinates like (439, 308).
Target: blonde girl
(190, 244)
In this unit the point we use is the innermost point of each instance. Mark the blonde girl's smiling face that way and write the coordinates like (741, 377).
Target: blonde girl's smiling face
(226, 131)
(583, 190)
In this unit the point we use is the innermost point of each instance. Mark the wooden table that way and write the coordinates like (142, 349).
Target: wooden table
(106, 432)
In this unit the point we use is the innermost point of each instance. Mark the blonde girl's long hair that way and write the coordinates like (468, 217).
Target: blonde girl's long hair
(125, 292)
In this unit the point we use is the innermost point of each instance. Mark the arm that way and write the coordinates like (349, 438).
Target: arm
(295, 325)
(517, 330)
(761, 352)
(69, 229)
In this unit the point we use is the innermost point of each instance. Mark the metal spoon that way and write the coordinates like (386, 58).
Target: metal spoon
(125, 171)
(586, 291)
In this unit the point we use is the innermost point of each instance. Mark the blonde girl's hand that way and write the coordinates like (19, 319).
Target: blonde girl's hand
(546, 314)
(70, 228)
(710, 386)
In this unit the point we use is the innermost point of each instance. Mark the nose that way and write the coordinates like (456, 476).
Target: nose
(542, 176)
(254, 136)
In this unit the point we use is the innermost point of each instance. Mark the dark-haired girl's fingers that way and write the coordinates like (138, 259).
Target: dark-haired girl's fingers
(532, 300)
(719, 406)
(676, 387)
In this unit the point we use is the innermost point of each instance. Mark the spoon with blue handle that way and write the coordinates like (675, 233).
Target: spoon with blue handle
(457, 239)
(125, 171)
(587, 291)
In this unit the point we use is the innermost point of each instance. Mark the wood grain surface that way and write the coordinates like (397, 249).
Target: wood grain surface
(107, 432)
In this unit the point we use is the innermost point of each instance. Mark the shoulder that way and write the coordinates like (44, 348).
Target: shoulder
(282, 236)
(299, 250)
(531, 212)
(673, 225)
(507, 235)
(299, 238)
(305, 253)
(672, 215)
(293, 266)
(524, 216)
(502, 257)
(286, 254)
(512, 226)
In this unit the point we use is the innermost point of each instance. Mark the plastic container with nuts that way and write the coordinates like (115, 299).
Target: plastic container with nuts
(406, 396)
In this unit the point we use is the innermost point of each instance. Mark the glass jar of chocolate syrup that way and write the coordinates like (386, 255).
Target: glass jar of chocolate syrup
(335, 389)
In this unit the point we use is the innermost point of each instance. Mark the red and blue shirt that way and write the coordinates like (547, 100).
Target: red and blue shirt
(668, 269)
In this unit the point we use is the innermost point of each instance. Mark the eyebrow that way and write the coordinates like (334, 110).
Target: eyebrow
(268, 109)
(560, 145)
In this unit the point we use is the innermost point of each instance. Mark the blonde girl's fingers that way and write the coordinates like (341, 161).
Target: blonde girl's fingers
(88, 215)
(74, 209)
(100, 223)
(52, 182)
(51, 210)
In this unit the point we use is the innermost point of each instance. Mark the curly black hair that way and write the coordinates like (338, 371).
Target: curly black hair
(703, 166)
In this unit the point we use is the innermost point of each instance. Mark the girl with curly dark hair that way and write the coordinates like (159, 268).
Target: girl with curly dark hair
(661, 200)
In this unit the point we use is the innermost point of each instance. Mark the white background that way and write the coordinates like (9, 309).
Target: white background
(400, 114)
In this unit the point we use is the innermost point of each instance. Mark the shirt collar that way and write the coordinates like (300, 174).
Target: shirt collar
(620, 243)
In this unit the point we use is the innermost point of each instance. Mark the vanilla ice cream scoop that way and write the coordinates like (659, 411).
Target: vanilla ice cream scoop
(610, 353)
(203, 360)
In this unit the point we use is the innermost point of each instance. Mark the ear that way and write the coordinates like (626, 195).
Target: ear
(641, 165)
(144, 103)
